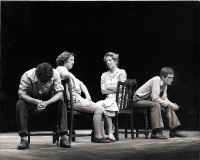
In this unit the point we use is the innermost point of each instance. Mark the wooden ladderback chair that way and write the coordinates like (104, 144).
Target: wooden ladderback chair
(124, 94)
(72, 113)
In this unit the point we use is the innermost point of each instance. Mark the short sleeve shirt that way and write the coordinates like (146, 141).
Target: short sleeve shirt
(29, 83)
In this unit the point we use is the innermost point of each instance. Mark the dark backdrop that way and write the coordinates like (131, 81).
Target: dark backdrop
(146, 35)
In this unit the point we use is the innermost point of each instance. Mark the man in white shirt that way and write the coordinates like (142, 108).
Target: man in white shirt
(154, 94)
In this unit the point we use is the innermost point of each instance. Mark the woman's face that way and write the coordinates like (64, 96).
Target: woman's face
(110, 62)
(69, 63)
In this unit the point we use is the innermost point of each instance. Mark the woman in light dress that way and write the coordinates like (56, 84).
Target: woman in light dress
(65, 62)
(109, 82)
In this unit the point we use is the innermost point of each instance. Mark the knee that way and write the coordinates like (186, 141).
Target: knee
(20, 105)
(99, 110)
(156, 106)
(60, 104)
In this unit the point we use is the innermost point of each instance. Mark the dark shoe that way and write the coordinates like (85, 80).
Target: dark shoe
(158, 136)
(100, 140)
(23, 145)
(64, 143)
(176, 134)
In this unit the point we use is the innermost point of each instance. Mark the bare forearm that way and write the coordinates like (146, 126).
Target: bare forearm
(85, 91)
(55, 98)
(108, 90)
(29, 99)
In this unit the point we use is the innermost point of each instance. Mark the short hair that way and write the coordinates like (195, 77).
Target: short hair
(44, 72)
(63, 57)
(113, 55)
(165, 71)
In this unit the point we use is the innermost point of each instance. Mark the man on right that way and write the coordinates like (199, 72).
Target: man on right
(153, 94)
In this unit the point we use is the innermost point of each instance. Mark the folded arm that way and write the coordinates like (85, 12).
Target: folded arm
(109, 89)
(23, 95)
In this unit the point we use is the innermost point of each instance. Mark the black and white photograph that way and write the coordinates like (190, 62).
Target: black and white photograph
(99, 80)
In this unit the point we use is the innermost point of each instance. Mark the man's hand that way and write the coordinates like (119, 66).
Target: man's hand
(42, 105)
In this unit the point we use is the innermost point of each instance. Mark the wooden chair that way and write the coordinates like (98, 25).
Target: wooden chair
(53, 132)
(141, 113)
(124, 94)
(72, 113)
(144, 114)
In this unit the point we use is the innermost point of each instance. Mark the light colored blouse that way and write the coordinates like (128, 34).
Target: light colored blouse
(110, 80)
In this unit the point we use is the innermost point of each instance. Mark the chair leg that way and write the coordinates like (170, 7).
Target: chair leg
(137, 133)
(116, 128)
(132, 134)
(146, 124)
(56, 138)
(126, 133)
(71, 125)
(29, 138)
(74, 136)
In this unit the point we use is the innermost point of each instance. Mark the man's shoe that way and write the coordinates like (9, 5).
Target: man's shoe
(100, 140)
(158, 136)
(23, 144)
(64, 143)
(176, 134)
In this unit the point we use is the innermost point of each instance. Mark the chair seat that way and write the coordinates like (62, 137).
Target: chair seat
(125, 111)
(42, 133)
(141, 110)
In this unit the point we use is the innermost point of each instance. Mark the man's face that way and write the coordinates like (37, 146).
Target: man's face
(44, 86)
(169, 79)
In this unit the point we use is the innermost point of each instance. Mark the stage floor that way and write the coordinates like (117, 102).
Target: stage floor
(137, 149)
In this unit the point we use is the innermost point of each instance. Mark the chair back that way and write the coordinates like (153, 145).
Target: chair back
(125, 92)
(68, 98)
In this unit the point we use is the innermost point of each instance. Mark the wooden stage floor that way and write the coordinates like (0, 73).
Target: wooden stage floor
(127, 149)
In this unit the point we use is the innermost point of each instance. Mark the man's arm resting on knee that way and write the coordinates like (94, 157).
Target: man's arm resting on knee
(27, 98)
(56, 97)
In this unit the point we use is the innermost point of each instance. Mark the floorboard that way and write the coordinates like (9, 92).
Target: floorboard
(138, 149)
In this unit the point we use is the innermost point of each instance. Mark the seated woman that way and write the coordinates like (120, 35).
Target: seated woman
(109, 82)
(65, 62)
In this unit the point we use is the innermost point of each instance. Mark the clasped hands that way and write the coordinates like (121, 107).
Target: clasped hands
(174, 106)
(42, 105)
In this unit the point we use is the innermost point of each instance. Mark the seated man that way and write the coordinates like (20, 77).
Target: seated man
(40, 89)
(154, 94)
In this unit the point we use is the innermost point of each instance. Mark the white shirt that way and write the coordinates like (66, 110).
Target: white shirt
(154, 90)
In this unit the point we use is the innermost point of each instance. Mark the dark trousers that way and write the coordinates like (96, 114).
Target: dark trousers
(56, 111)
